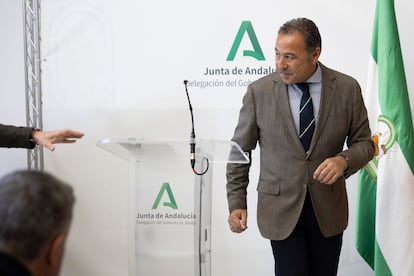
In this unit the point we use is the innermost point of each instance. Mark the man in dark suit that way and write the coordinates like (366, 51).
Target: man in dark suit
(301, 116)
(35, 216)
(27, 137)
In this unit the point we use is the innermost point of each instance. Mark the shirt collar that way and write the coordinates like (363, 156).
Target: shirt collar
(317, 76)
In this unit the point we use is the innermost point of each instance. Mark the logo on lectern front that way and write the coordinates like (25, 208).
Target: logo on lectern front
(165, 188)
(170, 215)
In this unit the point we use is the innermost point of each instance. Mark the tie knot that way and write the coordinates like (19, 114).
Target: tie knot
(304, 87)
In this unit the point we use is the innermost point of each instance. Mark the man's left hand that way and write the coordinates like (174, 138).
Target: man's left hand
(330, 170)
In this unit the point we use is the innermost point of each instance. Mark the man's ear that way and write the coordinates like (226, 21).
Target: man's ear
(315, 54)
(55, 251)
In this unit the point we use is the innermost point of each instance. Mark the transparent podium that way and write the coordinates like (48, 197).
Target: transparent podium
(169, 206)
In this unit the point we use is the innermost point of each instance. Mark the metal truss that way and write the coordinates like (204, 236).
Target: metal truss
(31, 25)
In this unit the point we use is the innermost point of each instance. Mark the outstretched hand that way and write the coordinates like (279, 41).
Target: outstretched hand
(49, 138)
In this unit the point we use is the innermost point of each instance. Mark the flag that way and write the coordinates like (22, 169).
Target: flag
(385, 211)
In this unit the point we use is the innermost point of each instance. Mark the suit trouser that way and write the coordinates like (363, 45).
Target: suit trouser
(306, 252)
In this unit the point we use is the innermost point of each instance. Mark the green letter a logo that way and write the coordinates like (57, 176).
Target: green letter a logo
(165, 188)
(246, 26)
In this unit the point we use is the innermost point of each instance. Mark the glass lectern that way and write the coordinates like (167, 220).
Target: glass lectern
(169, 207)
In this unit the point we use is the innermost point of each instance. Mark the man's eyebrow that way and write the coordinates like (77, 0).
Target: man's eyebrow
(286, 54)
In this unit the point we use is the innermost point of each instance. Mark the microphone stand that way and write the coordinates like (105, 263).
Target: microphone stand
(192, 137)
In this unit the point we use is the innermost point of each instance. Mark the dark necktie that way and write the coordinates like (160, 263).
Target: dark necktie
(307, 120)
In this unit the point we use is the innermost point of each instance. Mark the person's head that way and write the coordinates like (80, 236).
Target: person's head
(35, 215)
(298, 46)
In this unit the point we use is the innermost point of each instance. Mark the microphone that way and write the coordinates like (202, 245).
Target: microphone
(192, 135)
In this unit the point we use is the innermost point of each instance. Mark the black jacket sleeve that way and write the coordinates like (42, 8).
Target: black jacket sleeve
(16, 137)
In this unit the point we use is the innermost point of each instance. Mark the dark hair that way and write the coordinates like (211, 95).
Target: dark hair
(307, 28)
(34, 206)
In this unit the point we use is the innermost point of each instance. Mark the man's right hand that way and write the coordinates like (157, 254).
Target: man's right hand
(238, 220)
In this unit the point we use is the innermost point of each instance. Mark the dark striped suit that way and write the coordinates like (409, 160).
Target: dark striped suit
(285, 170)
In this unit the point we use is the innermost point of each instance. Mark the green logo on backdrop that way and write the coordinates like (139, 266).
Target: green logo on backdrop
(246, 26)
(165, 188)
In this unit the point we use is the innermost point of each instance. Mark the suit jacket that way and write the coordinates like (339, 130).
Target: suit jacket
(9, 266)
(16, 137)
(285, 169)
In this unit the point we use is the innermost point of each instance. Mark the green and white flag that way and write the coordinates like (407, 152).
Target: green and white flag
(385, 211)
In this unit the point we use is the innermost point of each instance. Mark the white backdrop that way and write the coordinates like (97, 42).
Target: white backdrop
(12, 105)
(115, 69)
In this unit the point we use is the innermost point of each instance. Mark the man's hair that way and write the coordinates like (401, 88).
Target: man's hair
(34, 206)
(307, 28)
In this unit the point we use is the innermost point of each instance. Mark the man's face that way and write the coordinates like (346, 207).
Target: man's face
(294, 63)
